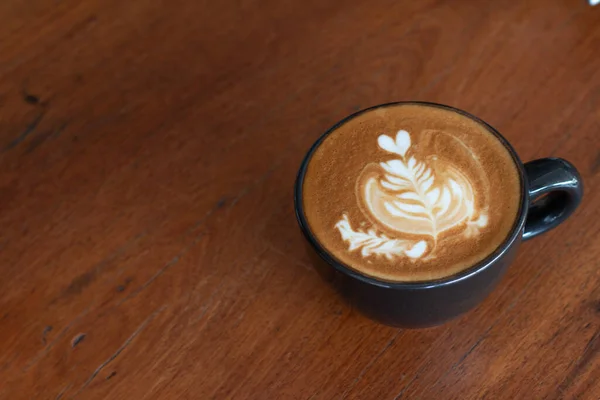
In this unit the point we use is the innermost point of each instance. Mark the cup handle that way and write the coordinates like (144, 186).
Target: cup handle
(555, 191)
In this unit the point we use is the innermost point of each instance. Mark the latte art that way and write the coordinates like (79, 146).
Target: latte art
(412, 199)
(410, 192)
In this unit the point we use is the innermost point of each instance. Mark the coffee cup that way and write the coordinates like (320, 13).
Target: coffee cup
(413, 211)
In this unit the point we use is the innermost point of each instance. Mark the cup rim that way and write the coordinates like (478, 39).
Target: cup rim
(465, 274)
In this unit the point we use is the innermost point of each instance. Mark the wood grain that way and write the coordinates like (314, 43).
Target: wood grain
(148, 247)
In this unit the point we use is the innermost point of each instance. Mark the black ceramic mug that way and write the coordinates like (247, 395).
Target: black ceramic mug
(551, 189)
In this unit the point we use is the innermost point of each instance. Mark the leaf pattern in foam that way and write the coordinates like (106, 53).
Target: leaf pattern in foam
(370, 243)
(416, 194)
(410, 198)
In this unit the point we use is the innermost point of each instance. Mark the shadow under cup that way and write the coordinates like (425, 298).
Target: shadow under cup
(555, 182)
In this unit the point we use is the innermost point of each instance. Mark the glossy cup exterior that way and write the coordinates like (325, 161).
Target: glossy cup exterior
(428, 303)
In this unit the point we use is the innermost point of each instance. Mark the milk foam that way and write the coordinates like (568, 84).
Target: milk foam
(413, 200)
(411, 192)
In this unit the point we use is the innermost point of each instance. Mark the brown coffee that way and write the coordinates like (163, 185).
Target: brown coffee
(411, 192)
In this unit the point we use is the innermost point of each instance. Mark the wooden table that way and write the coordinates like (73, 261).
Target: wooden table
(148, 246)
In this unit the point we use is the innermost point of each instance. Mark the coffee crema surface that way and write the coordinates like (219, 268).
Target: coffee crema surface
(411, 192)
